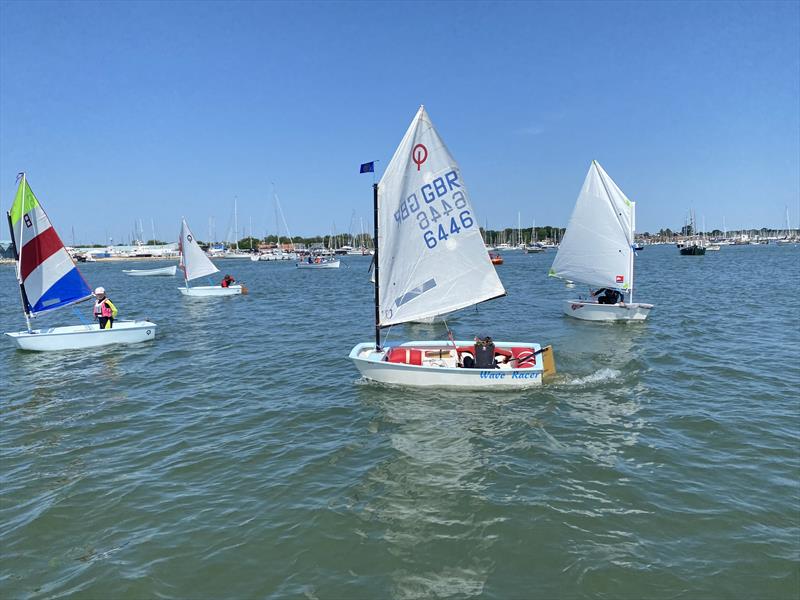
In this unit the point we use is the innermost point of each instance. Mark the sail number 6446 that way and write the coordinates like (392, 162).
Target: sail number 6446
(444, 231)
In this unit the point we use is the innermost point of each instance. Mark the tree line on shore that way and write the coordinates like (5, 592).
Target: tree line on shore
(509, 235)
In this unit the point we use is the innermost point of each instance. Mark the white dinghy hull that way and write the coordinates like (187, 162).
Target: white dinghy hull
(592, 311)
(162, 272)
(438, 367)
(78, 337)
(204, 291)
(333, 264)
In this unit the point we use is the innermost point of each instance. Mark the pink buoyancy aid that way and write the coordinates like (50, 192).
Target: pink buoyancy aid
(102, 309)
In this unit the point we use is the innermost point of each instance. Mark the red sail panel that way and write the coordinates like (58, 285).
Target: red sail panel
(39, 249)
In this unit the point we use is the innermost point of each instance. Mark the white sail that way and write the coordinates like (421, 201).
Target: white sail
(432, 259)
(194, 261)
(597, 246)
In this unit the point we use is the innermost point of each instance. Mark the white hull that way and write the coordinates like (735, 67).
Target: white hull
(211, 290)
(78, 337)
(441, 370)
(334, 264)
(164, 271)
(592, 311)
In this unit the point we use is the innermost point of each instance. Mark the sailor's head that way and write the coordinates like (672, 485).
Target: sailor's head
(100, 291)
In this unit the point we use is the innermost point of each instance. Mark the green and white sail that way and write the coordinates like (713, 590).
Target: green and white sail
(597, 248)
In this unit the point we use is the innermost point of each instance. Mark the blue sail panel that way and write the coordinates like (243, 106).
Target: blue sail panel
(69, 289)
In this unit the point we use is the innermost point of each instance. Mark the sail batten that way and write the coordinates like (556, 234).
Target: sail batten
(432, 258)
(46, 272)
(597, 248)
(194, 261)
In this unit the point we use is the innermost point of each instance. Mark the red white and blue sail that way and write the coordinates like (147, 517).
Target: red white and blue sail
(46, 272)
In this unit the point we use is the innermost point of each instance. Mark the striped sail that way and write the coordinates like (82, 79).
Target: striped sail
(48, 277)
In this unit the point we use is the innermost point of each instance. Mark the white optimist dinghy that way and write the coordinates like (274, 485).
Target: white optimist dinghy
(161, 272)
(430, 260)
(597, 250)
(48, 280)
(195, 263)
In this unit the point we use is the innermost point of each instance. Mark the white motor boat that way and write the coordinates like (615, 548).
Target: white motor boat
(49, 280)
(432, 261)
(327, 263)
(162, 272)
(597, 249)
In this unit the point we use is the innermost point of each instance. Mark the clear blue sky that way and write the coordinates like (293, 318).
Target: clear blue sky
(121, 111)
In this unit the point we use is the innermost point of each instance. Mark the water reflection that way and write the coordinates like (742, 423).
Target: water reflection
(429, 496)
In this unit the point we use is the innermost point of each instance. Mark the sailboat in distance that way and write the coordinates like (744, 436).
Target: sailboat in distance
(195, 263)
(430, 259)
(49, 280)
(597, 249)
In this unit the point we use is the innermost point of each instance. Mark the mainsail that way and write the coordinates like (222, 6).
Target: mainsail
(597, 248)
(194, 261)
(432, 259)
(46, 272)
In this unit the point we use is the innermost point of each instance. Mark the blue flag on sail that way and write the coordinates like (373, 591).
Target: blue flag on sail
(368, 167)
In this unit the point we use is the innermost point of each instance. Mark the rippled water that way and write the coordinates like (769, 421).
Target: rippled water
(238, 455)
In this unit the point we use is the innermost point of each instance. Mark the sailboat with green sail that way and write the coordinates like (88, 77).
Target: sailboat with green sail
(49, 279)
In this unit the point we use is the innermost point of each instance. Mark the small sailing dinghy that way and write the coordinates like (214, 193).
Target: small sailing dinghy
(48, 280)
(161, 272)
(195, 263)
(431, 260)
(597, 249)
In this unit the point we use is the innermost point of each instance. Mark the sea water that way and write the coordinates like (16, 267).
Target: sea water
(240, 455)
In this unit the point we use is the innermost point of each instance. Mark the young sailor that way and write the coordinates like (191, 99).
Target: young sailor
(104, 309)
(227, 281)
(607, 296)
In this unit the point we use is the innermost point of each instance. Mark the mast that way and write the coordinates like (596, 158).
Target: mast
(630, 232)
(787, 222)
(18, 256)
(183, 252)
(633, 251)
(377, 279)
(236, 223)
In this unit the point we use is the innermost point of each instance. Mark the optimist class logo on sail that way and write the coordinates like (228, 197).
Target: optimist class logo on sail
(419, 155)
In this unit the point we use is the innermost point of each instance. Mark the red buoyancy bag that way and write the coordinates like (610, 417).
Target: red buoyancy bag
(526, 358)
(406, 356)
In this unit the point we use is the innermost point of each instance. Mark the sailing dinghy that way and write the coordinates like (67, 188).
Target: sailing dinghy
(429, 260)
(48, 280)
(162, 272)
(195, 263)
(597, 249)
